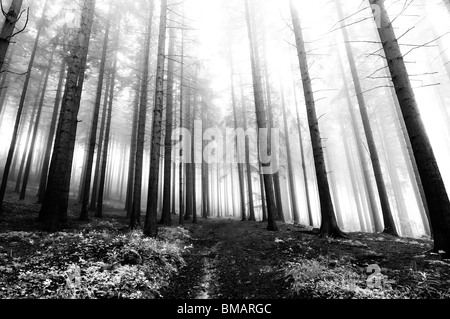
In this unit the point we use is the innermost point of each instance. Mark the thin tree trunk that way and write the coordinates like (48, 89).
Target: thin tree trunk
(368, 189)
(151, 224)
(54, 207)
(238, 149)
(132, 161)
(36, 127)
(291, 175)
(166, 212)
(101, 187)
(329, 225)
(101, 138)
(261, 122)
(247, 160)
(51, 133)
(137, 187)
(4, 84)
(93, 133)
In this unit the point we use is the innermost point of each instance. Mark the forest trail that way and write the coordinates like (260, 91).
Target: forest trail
(230, 259)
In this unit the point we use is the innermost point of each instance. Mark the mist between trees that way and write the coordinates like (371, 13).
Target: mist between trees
(348, 99)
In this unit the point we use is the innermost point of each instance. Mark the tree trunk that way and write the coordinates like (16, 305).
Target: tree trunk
(36, 127)
(8, 29)
(291, 175)
(101, 138)
(54, 207)
(51, 133)
(101, 186)
(132, 161)
(329, 225)
(389, 225)
(368, 189)
(247, 160)
(166, 212)
(433, 185)
(93, 133)
(302, 156)
(238, 149)
(135, 218)
(180, 170)
(151, 224)
(261, 122)
(27, 148)
(4, 88)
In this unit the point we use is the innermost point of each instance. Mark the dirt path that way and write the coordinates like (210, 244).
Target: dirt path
(231, 259)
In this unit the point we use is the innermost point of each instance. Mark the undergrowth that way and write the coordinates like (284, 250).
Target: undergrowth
(92, 263)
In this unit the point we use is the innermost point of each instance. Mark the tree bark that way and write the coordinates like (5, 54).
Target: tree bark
(54, 208)
(151, 224)
(8, 29)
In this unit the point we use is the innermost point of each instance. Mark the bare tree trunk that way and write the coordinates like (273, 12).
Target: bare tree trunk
(36, 127)
(261, 122)
(291, 175)
(329, 225)
(166, 212)
(131, 166)
(93, 133)
(54, 207)
(180, 170)
(302, 155)
(101, 138)
(433, 185)
(238, 149)
(368, 189)
(151, 224)
(193, 171)
(247, 160)
(205, 170)
(137, 187)
(101, 186)
(8, 29)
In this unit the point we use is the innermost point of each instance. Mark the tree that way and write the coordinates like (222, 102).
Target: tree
(136, 209)
(52, 129)
(93, 133)
(329, 225)
(291, 175)
(7, 32)
(389, 226)
(151, 225)
(166, 213)
(433, 185)
(54, 208)
(261, 120)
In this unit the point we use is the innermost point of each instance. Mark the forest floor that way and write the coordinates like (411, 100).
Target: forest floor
(214, 259)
